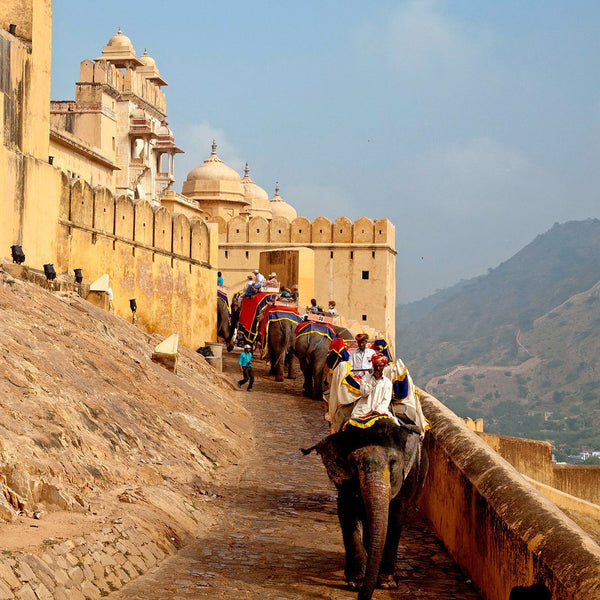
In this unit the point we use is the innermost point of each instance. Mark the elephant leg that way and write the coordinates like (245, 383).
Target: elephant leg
(289, 363)
(307, 372)
(317, 383)
(350, 517)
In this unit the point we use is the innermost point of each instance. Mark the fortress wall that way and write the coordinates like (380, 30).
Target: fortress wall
(529, 457)
(354, 263)
(29, 186)
(484, 511)
(173, 290)
(582, 481)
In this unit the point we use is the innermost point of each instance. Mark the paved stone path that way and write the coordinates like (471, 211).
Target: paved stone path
(280, 538)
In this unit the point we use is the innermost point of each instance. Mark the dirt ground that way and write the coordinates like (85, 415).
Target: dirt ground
(278, 536)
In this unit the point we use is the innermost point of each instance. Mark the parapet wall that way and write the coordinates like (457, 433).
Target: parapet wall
(497, 527)
(302, 231)
(581, 481)
(161, 260)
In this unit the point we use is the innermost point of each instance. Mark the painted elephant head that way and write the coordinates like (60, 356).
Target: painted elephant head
(378, 471)
(227, 319)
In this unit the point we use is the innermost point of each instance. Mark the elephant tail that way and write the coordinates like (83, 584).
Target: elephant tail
(306, 451)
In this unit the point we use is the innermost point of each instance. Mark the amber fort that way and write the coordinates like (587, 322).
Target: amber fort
(89, 184)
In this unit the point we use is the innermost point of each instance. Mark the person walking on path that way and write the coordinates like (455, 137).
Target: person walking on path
(245, 364)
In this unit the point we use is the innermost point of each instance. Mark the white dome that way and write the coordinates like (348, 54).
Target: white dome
(147, 60)
(120, 39)
(213, 169)
(280, 208)
(256, 196)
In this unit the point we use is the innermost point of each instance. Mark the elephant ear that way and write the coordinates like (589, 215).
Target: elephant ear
(334, 458)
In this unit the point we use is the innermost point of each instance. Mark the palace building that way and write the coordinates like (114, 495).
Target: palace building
(106, 161)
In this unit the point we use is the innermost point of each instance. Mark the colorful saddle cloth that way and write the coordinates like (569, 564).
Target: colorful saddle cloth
(273, 314)
(308, 327)
(405, 398)
(368, 421)
(251, 312)
(380, 345)
(344, 389)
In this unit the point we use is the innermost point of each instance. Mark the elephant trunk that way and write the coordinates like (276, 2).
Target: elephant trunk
(375, 490)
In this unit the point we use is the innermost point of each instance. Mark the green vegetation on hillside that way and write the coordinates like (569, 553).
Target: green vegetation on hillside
(526, 339)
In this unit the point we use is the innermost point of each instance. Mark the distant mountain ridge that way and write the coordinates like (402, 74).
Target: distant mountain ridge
(483, 321)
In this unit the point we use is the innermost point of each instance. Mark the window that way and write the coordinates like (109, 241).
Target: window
(331, 254)
(226, 254)
(299, 230)
(237, 230)
(258, 231)
(373, 253)
(365, 274)
(246, 253)
(364, 317)
(351, 254)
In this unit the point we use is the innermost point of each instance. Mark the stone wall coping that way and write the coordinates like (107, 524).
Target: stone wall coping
(549, 543)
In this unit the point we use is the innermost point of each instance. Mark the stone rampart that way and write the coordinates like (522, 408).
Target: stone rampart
(529, 457)
(497, 527)
(161, 260)
(280, 231)
(582, 481)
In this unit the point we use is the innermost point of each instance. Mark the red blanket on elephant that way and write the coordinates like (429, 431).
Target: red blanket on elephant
(308, 327)
(250, 313)
(272, 314)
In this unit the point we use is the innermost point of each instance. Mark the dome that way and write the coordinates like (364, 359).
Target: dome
(280, 208)
(164, 130)
(213, 169)
(120, 39)
(147, 60)
(138, 113)
(217, 187)
(256, 196)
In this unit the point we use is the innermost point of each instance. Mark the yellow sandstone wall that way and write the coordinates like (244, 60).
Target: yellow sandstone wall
(160, 260)
(29, 186)
(498, 528)
(354, 263)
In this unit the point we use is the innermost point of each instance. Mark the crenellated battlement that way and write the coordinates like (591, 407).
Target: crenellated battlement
(136, 222)
(301, 230)
(123, 82)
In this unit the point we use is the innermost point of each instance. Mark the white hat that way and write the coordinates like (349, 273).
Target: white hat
(255, 271)
(273, 275)
(247, 347)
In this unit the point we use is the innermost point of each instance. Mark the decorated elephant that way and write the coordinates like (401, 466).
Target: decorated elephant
(378, 468)
(227, 318)
(311, 345)
(277, 331)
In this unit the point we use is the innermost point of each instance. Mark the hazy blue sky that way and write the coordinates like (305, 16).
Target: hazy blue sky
(472, 125)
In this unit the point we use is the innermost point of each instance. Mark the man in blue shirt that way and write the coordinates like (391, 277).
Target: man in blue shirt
(245, 363)
(219, 279)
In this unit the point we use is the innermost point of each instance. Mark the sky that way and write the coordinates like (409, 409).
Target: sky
(472, 126)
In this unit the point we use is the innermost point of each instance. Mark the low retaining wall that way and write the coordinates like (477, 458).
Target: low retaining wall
(578, 480)
(498, 528)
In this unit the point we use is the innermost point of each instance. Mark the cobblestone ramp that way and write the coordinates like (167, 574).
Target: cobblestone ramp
(279, 538)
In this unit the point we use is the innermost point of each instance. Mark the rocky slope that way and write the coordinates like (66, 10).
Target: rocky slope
(94, 432)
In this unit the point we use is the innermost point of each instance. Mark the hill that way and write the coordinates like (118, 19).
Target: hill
(95, 433)
(519, 346)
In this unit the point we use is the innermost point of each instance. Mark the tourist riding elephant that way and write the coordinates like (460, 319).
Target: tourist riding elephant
(227, 321)
(378, 472)
(311, 350)
(280, 346)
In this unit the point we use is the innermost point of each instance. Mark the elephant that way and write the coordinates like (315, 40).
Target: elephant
(226, 322)
(379, 472)
(311, 351)
(280, 347)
